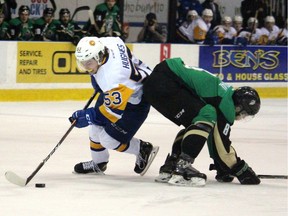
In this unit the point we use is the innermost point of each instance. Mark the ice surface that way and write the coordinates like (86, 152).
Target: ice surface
(29, 131)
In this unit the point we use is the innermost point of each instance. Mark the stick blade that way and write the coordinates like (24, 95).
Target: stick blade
(273, 176)
(15, 179)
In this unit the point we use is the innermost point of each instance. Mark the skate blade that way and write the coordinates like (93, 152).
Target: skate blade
(178, 180)
(150, 160)
(163, 178)
(91, 173)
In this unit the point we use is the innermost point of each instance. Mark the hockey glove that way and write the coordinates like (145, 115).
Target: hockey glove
(222, 175)
(84, 117)
(244, 173)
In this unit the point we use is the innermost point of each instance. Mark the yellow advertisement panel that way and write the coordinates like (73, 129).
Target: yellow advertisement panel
(51, 62)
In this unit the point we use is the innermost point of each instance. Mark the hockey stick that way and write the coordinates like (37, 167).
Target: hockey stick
(53, 5)
(92, 20)
(79, 9)
(253, 27)
(15, 179)
(273, 176)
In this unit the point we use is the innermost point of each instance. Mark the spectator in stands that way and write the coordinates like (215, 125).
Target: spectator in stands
(152, 32)
(67, 29)
(184, 6)
(45, 26)
(4, 28)
(6, 6)
(269, 32)
(107, 21)
(248, 9)
(210, 4)
(262, 11)
(238, 23)
(254, 8)
(225, 32)
(22, 26)
(251, 34)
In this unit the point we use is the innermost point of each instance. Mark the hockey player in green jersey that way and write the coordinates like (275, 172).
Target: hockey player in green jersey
(107, 21)
(4, 28)
(45, 26)
(67, 29)
(207, 108)
(22, 26)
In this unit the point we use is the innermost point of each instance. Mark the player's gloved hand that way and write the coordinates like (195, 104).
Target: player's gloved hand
(84, 117)
(222, 175)
(244, 173)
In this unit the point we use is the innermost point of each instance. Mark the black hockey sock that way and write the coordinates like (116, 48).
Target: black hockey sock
(194, 138)
(176, 148)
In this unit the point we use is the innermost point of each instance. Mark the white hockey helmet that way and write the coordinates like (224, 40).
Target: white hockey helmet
(269, 19)
(207, 12)
(192, 13)
(252, 20)
(90, 48)
(238, 18)
(226, 19)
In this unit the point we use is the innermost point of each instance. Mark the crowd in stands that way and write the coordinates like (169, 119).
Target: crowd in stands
(203, 24)
(196, 23)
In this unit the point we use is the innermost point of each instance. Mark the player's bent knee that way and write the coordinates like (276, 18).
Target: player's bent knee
(107, 141)
(207, 114)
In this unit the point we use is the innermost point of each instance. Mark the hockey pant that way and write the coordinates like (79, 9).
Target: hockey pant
(118, 136)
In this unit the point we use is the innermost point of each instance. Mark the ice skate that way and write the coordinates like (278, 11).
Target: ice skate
(90, 167)
(166, 170)
(146, 156)
(186, 175)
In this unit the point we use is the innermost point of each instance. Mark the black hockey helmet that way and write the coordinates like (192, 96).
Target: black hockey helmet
(246, 99)
(23, 9)
(48, 11)
(64, 11)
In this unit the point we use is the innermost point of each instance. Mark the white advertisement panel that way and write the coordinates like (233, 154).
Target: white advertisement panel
(135, 11)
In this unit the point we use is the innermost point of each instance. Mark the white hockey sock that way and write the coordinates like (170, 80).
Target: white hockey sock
(134, 146)
(100, 156)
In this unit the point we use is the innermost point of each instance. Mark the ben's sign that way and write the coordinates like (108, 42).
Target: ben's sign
(245, 64)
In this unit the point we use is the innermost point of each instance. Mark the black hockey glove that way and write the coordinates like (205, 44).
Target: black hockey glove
(222, 175)
(244, 173)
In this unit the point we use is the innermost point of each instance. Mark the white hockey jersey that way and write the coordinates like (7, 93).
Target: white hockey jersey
(196, 31)
(120, 78)
(254, 39)
(225, 32)
(269, 36)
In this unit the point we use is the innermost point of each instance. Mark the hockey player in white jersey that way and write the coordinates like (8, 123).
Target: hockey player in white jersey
(252, 34)
(226, 32)
(197, 30)
(269, 32)
(120, 109)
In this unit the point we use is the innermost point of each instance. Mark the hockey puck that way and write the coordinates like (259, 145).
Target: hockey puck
(40, 185)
